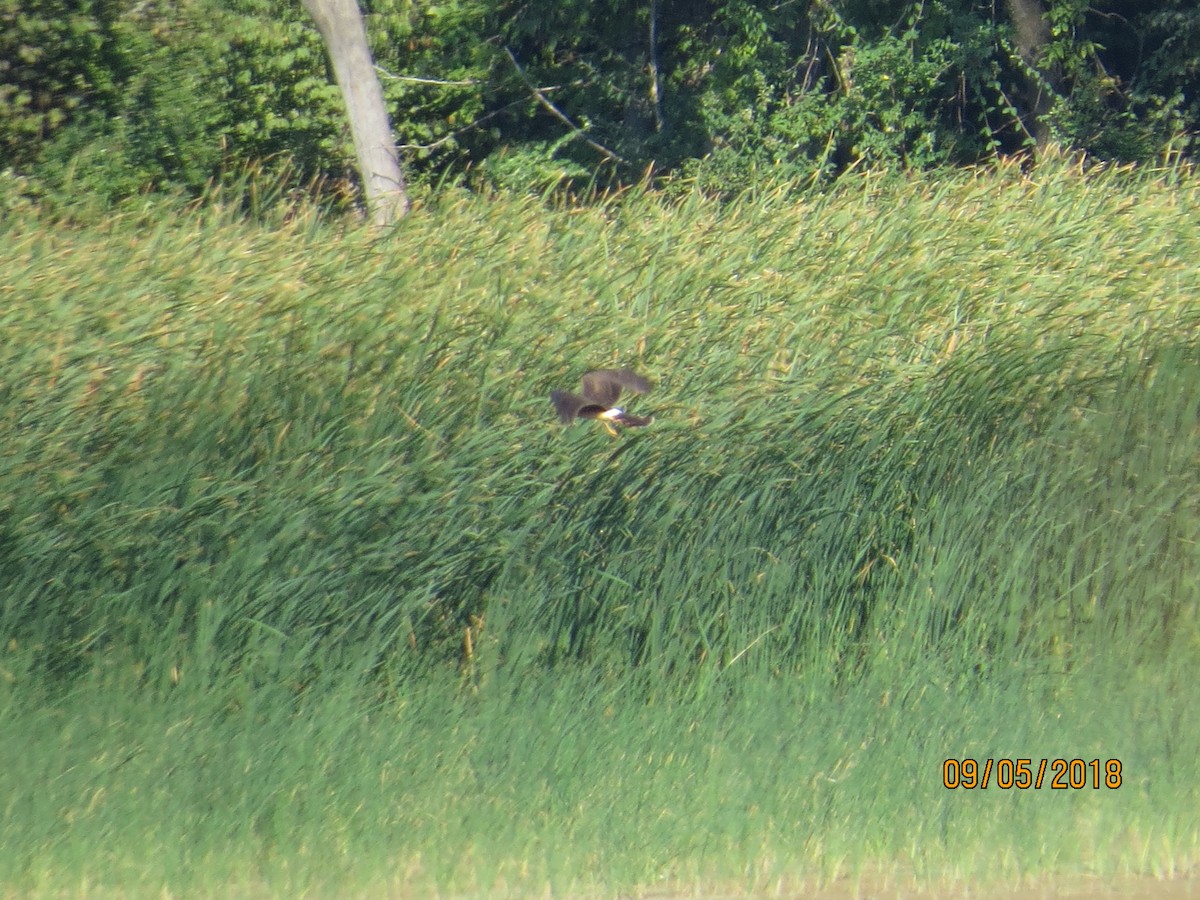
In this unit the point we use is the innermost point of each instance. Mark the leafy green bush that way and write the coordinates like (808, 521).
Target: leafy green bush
(57, 58)
(117, 97)
(873, 101)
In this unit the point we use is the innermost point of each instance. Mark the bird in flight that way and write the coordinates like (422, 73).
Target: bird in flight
(597, 399)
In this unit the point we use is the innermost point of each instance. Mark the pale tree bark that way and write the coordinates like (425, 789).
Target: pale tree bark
(1032, 33)
(341, 25)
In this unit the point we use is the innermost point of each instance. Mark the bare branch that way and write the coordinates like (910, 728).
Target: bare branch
(416, 80)
(560, 115)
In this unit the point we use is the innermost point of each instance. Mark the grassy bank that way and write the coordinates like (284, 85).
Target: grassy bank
(305, 590)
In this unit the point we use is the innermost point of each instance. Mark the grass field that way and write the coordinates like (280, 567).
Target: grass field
(304, 591)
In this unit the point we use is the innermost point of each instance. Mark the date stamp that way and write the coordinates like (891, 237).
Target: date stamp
(1027, 774)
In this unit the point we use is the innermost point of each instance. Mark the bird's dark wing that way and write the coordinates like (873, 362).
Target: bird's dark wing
(603, 386)
(567, 405)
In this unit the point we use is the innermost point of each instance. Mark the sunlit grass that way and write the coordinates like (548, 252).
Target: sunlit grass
(303, 588)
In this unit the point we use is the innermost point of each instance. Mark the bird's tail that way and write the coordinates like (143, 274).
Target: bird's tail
(632, 421)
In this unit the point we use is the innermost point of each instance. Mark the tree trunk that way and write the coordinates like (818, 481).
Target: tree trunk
(341, 25)
(1032, 33)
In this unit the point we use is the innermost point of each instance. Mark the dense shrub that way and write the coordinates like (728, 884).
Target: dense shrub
(114, 97)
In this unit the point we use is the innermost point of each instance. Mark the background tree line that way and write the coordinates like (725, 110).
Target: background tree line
(116, 97)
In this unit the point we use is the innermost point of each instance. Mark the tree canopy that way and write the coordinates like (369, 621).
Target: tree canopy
(122, 96)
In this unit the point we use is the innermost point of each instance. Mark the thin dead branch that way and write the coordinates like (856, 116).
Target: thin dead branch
(560, 115)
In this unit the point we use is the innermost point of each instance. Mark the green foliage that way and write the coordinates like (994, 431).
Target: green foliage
(279, 103)
(197, 91)
(57, 57)
(1114, 94)
(530, 166)
(435, 67)
(1169, 72)
(863, 101)
(159, 134)
(115, 98)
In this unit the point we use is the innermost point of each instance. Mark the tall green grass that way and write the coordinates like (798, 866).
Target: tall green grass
(294, 558)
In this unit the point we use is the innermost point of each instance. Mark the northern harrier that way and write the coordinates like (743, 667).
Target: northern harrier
(599, 392)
